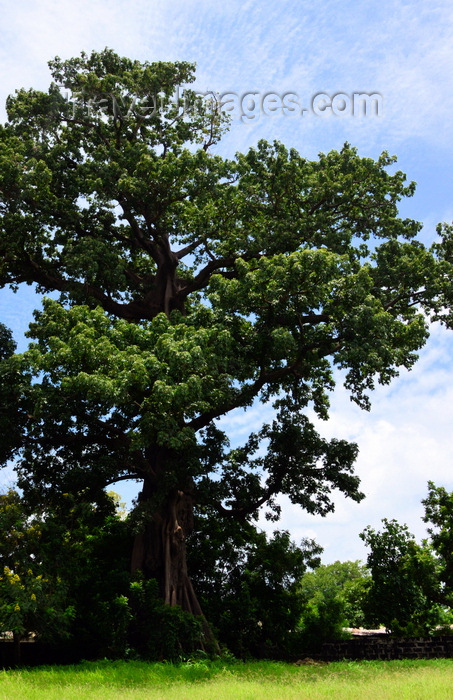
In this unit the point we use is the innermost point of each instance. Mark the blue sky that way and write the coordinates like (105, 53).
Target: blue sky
(399, 49)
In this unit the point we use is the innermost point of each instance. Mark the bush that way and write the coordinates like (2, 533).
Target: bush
(247, 585)
(158, 631)
(333, 598)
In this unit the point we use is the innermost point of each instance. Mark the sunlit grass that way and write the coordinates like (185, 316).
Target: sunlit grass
(204, 680)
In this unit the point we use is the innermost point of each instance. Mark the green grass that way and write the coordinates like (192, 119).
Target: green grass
(204, 680)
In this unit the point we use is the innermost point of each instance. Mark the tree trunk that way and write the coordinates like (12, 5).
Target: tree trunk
(160, 553)
(160, 550)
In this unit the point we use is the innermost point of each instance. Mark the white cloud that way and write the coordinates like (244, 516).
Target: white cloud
(401, 50)
(405, 440)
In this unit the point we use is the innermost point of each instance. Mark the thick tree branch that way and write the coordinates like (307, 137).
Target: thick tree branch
(180, 254)
(251, 390)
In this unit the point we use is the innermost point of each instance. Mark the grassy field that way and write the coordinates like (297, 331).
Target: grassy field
(204, 680)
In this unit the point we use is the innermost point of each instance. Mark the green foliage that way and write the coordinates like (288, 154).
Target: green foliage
(333, 598)
(53, 583)
(7, 344)
(33, 597)
(247, 583)
(94, 559)
(63, 573)
(439, 513)
(159, 631)
(321, 621)
(404, 590)
(14, 383)
(243, 279)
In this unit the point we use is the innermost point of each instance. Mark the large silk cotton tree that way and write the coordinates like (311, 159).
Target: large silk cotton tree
(192, 285)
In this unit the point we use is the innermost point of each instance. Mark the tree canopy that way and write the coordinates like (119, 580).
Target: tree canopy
(411, 587)
(191, 285)
(334, 595)
(439, 514)
(404, 591)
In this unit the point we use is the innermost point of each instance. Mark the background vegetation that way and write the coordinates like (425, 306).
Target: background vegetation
(266, 597)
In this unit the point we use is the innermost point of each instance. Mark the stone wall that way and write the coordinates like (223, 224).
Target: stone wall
(358, 648)
(383, 647)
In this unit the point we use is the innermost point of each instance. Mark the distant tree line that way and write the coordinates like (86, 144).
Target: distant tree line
(405, 586)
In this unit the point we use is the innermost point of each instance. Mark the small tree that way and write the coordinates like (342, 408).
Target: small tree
(333, 596)
(33, 598)
(404, 590)
(247, 583)
(439, 513)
